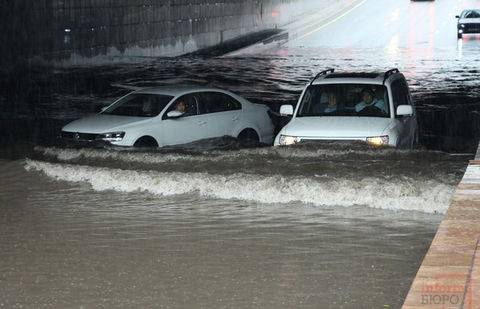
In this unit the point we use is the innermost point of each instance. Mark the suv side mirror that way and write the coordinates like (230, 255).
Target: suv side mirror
(404, 110)
(174, 114)
(286, 110)
(456, 16)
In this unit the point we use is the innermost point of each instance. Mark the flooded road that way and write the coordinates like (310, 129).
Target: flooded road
(302, 227)
(78, 236)
(220, 225)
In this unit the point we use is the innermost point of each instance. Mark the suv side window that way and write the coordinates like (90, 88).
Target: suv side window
(407, 92)
(215, 102)
(400, 93)
(190, 102)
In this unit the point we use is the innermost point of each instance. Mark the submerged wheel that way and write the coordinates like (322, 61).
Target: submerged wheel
(414, 142)
(248, 135)
(146, 141)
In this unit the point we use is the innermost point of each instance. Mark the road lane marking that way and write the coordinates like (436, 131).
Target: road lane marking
(330, 22)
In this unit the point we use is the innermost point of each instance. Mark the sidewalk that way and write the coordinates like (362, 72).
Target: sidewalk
(449, 276)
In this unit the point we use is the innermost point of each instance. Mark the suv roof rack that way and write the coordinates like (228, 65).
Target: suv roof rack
(389, 73)
(353, 75)
(325, 72)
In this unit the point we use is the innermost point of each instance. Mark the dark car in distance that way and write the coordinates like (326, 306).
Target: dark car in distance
(468, 22)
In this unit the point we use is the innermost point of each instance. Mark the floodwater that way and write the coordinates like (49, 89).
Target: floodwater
(253, 228)
(217, 224)
(333, 227)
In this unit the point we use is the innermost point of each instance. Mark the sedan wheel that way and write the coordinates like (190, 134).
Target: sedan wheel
(146, 141)
(248, 135)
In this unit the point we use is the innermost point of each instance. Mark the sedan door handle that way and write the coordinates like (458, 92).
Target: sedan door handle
(235, 118)
(201, 122)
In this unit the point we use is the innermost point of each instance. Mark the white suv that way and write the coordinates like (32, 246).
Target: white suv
(372, 107)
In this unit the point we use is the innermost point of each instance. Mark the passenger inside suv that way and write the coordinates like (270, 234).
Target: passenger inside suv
(328, 104)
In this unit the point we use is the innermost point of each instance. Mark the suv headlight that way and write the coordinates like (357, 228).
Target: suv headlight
(111, 136)
(462, 25)
(377, 141)
(288, 140)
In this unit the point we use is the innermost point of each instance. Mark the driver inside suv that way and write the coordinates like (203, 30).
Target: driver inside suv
(369, 99)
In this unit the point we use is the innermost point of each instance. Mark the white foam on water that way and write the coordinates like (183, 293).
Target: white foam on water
(402, 194)
(67, 154)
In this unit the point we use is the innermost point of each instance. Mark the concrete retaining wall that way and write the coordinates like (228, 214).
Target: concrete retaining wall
(77, 29)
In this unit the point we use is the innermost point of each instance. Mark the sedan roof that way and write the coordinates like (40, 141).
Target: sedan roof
(177, 90)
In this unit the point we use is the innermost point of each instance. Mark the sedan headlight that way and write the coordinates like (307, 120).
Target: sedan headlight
(377, 141)
(111, 136)
(288, 140)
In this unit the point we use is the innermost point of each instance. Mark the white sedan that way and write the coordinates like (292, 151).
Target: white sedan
(164, 116)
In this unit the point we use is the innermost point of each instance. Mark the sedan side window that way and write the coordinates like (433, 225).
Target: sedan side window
(139, 105)
(215, 102)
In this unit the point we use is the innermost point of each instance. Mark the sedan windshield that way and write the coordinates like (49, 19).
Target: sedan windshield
(471, 14)
(139, 105)
(345, 100)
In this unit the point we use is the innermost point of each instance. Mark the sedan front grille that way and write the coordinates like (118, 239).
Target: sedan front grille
(475, 28)
(77, 136)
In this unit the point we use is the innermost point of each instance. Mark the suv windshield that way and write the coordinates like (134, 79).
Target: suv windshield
(345, 100)
(139, 105)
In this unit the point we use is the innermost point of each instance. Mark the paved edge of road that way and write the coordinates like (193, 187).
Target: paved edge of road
(303, 27)
(449, 276)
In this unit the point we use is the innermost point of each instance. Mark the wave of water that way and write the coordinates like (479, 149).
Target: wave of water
(331, 151)
(428, 196)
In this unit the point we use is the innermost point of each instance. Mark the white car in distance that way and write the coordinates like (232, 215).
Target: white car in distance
(163, 116)
(375, 108)
(468, 22)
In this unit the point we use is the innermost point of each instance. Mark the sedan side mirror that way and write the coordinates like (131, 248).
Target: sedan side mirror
(456, 16)
(174, 114)
(286, 110)
(404, 110)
